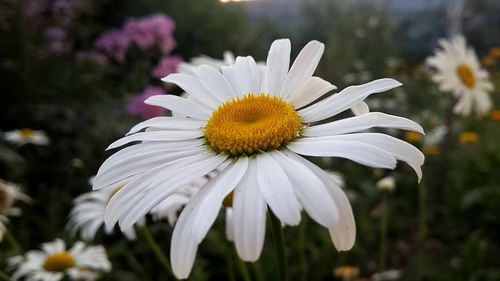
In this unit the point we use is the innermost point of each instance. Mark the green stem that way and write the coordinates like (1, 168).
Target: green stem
(259, 275)
(243, 269)
(422, 227)
(157, 251)
(13, 242)
(279, 241)
(383, 234)
(302, 250)
(230, 263)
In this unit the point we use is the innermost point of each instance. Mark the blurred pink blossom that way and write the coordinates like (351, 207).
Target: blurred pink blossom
(166, 66)
(114, 44)
(150, 31)
(137, 107)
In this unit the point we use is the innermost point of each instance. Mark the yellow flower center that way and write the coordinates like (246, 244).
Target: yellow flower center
(27, 133)
(59, 262)
(251, 125)
(466, 75)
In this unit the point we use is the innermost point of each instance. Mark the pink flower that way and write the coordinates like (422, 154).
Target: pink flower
(151, 31)
(137, 107)
(114, 44)
(166, 66)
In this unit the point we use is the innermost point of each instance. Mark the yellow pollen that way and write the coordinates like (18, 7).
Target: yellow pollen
(251, 125)
(27, 133)
(466, 75)
(59, 262)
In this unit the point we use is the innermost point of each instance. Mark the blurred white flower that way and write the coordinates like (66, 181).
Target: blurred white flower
(388, 275)
(3, 227)
(459, 72)
(54, 262)
(24, 136)
(188, 67)
(225, 120)
(386, 185)
(87, 215)
(9, 194)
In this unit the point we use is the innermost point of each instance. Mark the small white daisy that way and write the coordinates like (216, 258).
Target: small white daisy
(87, 216)
(54, 262)
(256, 122)
(24, 136)
(459, 72)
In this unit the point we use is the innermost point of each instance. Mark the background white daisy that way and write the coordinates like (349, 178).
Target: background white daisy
(459, 71)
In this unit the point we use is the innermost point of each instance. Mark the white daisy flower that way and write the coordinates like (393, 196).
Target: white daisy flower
(54, 262)
(87, 216)
(459, 72)
(256, 123)
(24, 136)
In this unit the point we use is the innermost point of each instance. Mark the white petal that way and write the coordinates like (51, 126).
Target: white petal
(213, 194)
(310, 191)
(314, 89)
(214, 82)
(278, 62)
(146, 191)
(277, 190)
(194, 88)
(198, 215)
(401, 150)
(346, 99)
(171, 135)
(180, 106)
(248, 75)
(165, 184)
(168, 123)
(362, 122)
(360, 152)
(229, 224)
(183, 246)
(249, 216)
(115, 168)
(360, 108)
(302, 69)
(344, 233)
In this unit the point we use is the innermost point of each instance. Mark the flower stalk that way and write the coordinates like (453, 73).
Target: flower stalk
(279, 241)
(157, 250)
